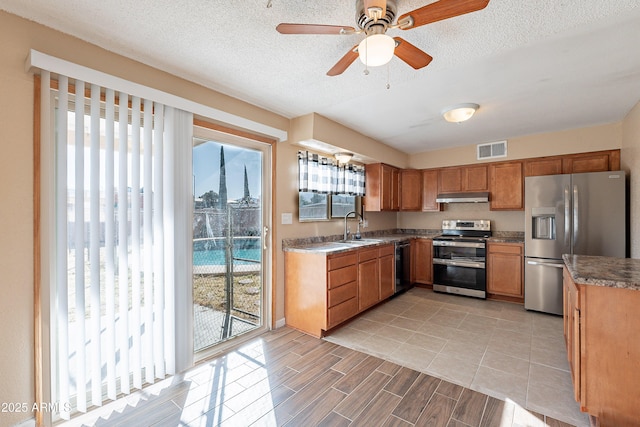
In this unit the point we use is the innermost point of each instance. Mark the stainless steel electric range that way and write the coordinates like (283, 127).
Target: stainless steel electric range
(459, 256)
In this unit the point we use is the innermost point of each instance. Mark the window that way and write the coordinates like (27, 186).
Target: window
(326, 189)
(313, 206)
(342, 204)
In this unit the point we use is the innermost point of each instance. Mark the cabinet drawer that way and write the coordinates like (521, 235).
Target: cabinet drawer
(515, 248)
(342, 312)
(367, 254)
(342, 260)
(342, 276)
(387, 250)
(342, 293)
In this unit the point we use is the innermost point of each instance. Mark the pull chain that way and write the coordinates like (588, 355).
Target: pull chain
(366, 55)
(388, 74)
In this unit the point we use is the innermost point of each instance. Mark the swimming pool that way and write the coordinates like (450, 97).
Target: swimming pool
(212, 252)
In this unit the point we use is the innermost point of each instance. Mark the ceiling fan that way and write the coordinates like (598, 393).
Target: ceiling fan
(374, 18)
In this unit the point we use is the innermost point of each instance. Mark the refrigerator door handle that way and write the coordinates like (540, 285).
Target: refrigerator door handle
(576, 207)
(567, 216)
(545, 264)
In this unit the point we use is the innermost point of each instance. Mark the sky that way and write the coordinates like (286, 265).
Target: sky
(206, 169)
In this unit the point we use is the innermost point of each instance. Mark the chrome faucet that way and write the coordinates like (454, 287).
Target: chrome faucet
(346, 229)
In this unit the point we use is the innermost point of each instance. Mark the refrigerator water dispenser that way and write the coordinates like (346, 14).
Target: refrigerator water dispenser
(543, 223)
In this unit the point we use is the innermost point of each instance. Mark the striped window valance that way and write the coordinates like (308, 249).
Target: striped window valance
(323, 175)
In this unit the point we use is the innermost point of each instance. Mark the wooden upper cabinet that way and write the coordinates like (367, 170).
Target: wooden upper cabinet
(506, 186)
(410, 190)
(382, 188)
(543, 166)
(474, 178)
(598, 161)
(450, 180)
(430, 190)
(463, 178)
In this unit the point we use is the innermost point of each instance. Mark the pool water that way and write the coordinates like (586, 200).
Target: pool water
(217, 256)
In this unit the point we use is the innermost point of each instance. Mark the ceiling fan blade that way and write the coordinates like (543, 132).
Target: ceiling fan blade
(314, 29)
(379, 8)
(442, 9)
(411, 54)
(344, 62)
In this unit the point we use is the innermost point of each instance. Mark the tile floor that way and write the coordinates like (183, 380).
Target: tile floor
(492, 347)
(287, 378)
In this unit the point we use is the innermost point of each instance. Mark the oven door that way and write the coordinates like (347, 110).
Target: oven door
(459, 268)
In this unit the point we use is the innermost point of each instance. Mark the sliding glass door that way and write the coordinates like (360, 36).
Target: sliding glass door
(231, 178)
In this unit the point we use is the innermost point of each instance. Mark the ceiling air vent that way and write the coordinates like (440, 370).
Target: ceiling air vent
(492, 150)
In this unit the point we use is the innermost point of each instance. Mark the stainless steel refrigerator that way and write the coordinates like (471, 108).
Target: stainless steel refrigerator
(582, 214)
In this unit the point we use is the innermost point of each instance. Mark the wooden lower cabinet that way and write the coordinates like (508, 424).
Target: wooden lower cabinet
(505, 270)
(422, 261)
(387, 266)
(601, 332)
(368, 278)
(323, 291)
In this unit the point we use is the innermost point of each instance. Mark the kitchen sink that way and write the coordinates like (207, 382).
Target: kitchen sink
(361, 242)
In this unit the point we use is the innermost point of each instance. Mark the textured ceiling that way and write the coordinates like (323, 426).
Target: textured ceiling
(533, 66)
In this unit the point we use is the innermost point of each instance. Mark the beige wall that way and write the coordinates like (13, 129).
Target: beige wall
(17, 36)
(630, 159)
(604, 137)
(595, 138)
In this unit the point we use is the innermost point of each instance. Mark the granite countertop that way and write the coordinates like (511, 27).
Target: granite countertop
(337, 246)
(604, 271)
(333, 244)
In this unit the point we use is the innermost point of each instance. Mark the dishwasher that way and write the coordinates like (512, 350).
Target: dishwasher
(403, 266)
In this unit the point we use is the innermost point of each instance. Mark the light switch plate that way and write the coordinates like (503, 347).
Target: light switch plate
(287, 218)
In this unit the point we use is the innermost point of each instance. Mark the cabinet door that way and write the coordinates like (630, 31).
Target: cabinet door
(410, 190)
(395, 189)
(430, 190)
(587, 162)
(573, 331)
(422, 261)
(450, 180)
(368, 283)
(543, 166)
(387, 276)
(506, 186)
(505, 270)
(474, 178)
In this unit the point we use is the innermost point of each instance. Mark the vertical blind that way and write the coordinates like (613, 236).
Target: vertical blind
(113, 299)
(323, 175)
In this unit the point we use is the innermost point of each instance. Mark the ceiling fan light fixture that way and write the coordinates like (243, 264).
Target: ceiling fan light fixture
(460, 113)
(376, 50)
(343, 157)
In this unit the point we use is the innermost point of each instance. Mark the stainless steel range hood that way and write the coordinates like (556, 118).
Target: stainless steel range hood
(474, 197)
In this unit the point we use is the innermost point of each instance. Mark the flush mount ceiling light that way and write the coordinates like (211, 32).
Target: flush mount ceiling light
(376, 49)
(459, 113)
(343, 157)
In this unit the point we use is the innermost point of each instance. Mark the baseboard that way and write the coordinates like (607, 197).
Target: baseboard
(31, 422)
(280, 323)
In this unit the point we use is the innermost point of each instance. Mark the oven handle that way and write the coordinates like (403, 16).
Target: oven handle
(459, 244)
(470, 264)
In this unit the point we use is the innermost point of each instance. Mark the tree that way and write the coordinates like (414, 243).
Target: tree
(247, 195)
(222, 190)
(210, 199)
